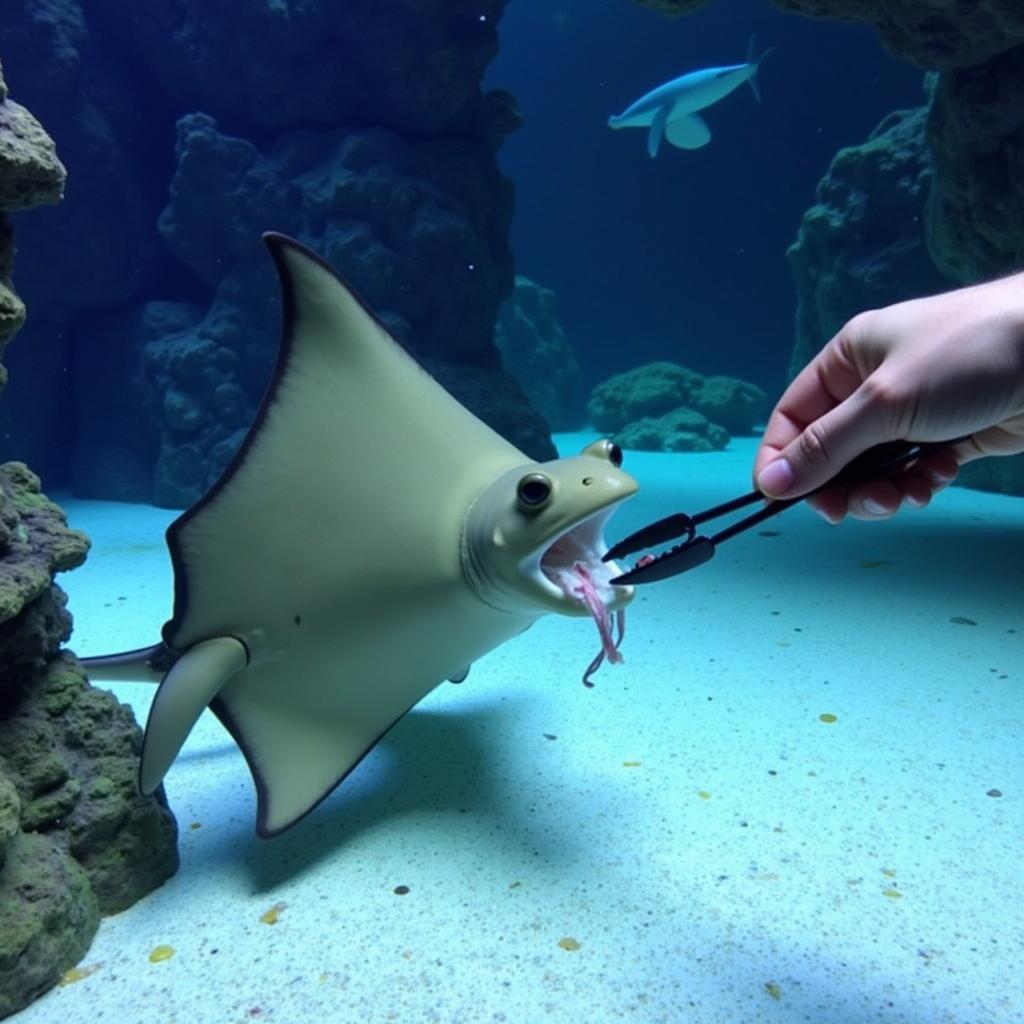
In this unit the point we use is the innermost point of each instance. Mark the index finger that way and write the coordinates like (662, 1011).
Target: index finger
(826, 381)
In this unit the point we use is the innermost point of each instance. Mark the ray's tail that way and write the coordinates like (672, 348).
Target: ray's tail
(144, 665)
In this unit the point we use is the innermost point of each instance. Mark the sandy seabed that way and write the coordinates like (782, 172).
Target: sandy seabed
(801, 798)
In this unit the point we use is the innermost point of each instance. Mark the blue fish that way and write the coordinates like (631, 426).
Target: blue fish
(670, 110)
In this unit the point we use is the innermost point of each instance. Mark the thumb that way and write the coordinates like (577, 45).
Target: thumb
(821, 450)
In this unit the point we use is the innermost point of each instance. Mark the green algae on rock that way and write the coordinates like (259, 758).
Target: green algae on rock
(662, 406)
(76, 838)
(48, 917)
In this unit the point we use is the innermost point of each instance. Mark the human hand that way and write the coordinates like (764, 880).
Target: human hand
(930, 369)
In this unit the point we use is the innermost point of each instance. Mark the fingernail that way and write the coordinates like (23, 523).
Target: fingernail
(914, 502)
(939, 477)
(875, 508)
(775, 477)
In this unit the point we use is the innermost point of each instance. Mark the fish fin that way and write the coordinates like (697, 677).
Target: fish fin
(755, 88)
(190, 684)
(657, 130)
(296, 760)
(688, 131)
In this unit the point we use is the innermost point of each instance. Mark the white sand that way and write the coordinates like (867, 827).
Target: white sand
(720, 855)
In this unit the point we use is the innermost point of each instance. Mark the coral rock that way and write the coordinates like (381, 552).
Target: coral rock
(673, 8)
(649, 390)
(663, 406)
(975, 213)
(932, 33)
(681, 430)
(862, 244)
(30, 173)
(535, 350)
(48, 916)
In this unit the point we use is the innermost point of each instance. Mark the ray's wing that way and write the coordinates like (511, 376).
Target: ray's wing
(328, 547)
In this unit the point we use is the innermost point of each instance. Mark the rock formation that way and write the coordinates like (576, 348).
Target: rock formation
(535, 350)
(934, 34)
(975, 131)
(30, 175)
(862, 245)
(663, 406)
(76, 838)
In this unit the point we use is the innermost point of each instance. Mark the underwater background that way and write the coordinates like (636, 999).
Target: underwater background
(681, 257)
(799, 797)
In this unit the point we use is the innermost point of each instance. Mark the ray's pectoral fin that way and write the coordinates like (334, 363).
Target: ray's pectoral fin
(190, 684)
(657, 130)
(688, 131)
(297, 758)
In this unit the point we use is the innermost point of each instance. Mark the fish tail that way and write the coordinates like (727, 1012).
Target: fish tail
(755, 65)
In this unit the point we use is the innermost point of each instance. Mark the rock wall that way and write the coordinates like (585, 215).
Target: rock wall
(536, 352)
(975, 131)
(862, 245)
(934, 34)
(30, 175)
(76, 839)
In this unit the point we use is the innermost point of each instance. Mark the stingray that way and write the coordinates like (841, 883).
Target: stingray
(371, 539)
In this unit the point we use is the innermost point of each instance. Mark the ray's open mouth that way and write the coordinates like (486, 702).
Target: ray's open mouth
(573, 564)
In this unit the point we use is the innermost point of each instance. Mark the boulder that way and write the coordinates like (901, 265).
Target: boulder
(649, 390)
(681, 430)
(644, 396)
(535, 350)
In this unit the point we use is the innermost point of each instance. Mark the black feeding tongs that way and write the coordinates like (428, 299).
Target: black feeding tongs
(694, 549)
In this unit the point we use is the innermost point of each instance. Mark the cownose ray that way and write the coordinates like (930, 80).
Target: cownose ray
(370, 540)
(670, 110)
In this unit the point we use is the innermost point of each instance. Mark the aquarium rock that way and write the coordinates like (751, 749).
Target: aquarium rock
(30, 175)
(932, 33)
(412, 65)
(648, 390)
(975, 212)
(709, 407)
(681, 430)
(535, 350)
(76, 838)
(737, 405)
(862, 245)
(673, 8)
(417, 226)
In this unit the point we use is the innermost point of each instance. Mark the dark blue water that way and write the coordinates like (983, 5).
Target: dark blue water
(680, 257)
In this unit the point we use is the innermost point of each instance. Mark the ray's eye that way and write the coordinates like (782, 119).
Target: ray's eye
(533, 491)
(605, 449)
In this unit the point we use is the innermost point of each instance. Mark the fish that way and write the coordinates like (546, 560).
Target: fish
(670, 110)
(370, 539)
